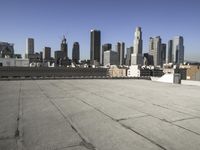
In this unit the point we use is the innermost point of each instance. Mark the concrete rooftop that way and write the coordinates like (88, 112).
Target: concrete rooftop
(98, 114)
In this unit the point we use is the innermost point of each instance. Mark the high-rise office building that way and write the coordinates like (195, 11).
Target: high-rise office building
(29, 47)
(64, 47)
(163, 54)
(155, 50)
(178, 50)
(120, 47)
(129, 52)
(170, 47)
(136, 57)
(76, 53)
(95, 47)
(111, 58)
(6, 50)
(47, 53)
(105, 47)
(148, 59)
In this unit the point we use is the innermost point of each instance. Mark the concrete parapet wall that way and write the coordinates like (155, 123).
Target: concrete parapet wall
(52, 72)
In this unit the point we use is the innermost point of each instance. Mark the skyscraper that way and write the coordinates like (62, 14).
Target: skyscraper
(95, 47)
(29, 47)
(155, 50)
(76, 52)
(6, 50)
(105, 47)
(129, 51)
(170, 47)
(178, 50)
(163, 54)
(47, 53)
(111, 58)
(64, 47)
(120, 49)
(136, 57)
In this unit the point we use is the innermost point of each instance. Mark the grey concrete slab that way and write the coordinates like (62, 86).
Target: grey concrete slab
(9, 144)
(59, 114)
(163, 133)
(147, 108)
(110, 108)
(72, 106)
(9, 95)
(106, 134)
(43, 126)
(190, 124)
(135, 103)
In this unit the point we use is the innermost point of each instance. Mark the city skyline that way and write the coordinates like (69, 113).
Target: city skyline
(46, 22)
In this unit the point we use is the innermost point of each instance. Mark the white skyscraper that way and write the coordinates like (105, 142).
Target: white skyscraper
(136, 57)
(178, 50)
(29, 47)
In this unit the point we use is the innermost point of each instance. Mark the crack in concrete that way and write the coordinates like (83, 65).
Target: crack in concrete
(19, 131)
(189, 118)
(85, 142)
(137, 110)
(126, 127)
(153, 142)
(123, 119)
(173, 110)
(71, 146)
(186, 129)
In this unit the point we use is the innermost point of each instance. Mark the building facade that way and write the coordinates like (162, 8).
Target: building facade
(64, 47)
(6, 50)
(170, 47)
(136, 57)
(178, 50)
(14, 62)
(47, 53)
(95, 47)
(155, 50)
(120, 48)
(76, 52)
(163, 54)
(111, 58)
(29, 47)
(105, 47)
(129, 52)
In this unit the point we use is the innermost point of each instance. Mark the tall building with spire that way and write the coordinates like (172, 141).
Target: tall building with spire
(95, 47)
(76, 52)
(136, 57)
(64, 47)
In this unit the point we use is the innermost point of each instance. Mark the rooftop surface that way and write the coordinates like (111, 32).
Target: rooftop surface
(98, 114)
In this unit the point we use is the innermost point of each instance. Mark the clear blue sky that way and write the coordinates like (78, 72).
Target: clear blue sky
(47, 20)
